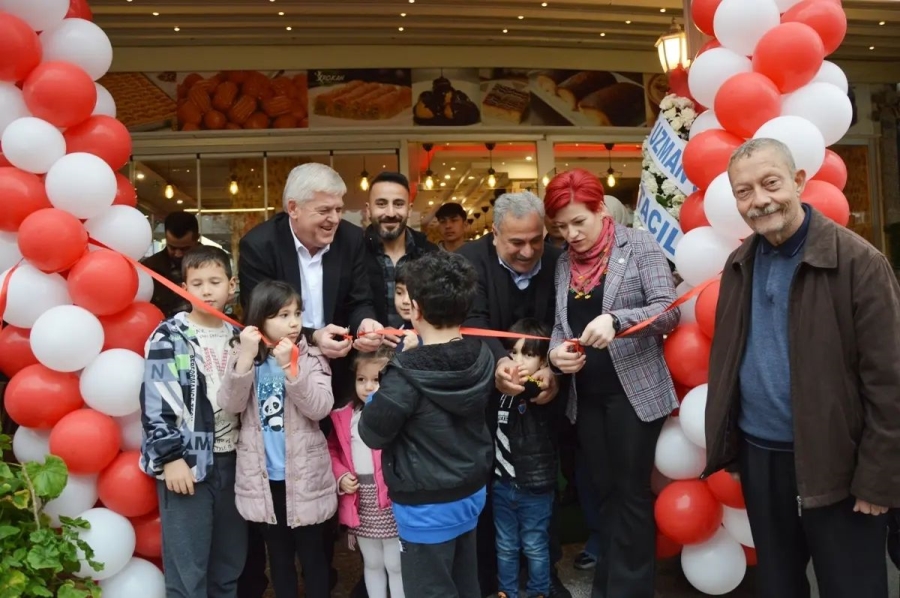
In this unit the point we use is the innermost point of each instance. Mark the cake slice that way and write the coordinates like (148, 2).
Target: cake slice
(506, 103)
(548, 80)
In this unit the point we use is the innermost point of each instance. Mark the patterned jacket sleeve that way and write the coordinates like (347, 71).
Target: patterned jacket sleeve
(659, 290)
(162, 405)
(558, 336)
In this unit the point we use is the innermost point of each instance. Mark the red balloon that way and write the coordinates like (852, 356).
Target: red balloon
(833, 171)
(686, 351)
(131, 327)
(666, 547)
(86, 440)
(745, 102)
(79, 9)
(681, 391)
(790, 55)
(750, 553)
(125, 489)
(126, 194)
(20, 48)
(703, 12)
(103, 136)
(38, 397)
(60, 93)
(828, 199)
(103, 282)
(705, 308)
(15, 350)
(148, 531)
(21, 194)
(687, 512)
(706, 155)
(692, 215)
(826, 18)
(52, 240)
(713, 43)
(726, 489)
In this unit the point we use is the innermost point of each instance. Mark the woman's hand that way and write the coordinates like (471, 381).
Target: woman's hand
(567, 358)
(599, 333)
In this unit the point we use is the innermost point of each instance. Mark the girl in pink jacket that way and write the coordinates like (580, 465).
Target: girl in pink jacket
(363, 503)
(284, 481)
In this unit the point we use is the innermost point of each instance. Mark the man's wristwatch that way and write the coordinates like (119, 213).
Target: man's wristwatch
(617, 326)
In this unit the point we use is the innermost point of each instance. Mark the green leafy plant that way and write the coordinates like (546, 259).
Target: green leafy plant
(35, 558)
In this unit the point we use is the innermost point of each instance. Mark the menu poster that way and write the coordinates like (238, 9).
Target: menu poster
(446, 97)
(242, 100)
(507, 100)
(144, 101)
(360, 97)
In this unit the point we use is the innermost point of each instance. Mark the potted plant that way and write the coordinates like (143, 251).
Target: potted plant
(35, 558)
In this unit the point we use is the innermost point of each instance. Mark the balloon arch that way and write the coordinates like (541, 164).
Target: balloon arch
(77, 314)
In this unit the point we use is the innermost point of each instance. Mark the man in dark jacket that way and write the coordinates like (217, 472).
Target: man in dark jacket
(804, 385)
(182, 234)
(428, 419)
(390, 242)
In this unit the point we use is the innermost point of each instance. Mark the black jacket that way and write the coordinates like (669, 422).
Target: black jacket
(268, 252)
(168, 302)
(532, 438)
(491, 308)
(417, 244)
(428, 419)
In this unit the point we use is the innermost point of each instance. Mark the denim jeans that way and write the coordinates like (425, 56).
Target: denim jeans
(522, 519)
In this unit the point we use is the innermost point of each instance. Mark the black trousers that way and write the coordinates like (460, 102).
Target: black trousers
(253, 581)
(620, 450)
(284, 543)
(445, 570)
(847, 548)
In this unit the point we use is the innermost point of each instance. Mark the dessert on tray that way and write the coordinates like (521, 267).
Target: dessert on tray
(358, 100)
(506, 103)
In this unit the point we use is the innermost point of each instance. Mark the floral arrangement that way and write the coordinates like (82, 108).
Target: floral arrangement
(680, 114)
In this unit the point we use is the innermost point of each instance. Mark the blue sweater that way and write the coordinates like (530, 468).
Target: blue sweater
(765, 374)
(438, 523)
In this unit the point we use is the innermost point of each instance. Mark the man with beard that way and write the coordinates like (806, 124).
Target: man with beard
(390, 242)
(182, 234)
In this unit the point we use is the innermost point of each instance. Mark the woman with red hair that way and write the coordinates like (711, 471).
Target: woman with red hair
(610, 278)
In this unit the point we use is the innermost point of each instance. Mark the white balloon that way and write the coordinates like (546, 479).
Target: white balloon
(66, 338)
(711, 69)
(705, 122)
(112, 539)
(720, 207)
(31, 445)
(138, 578)
(40, 14)
(785, 5)
(692, 415)
(79, 495)
(81, 43)
(105, 105)
(825, 106)
(740, 24)
(32, 144)
(31, 293)
(677, 457)
(12, 105)
(81, 184)
(738, 525)
(145, 286)
(131, 431)
(111, 384)
(801, 136)
(715, 567)
(701, 254)
(688, 311)
(122, 228)
(829, 72)
(9, 250)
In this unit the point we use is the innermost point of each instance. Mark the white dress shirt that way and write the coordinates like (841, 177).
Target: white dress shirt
(311, 285)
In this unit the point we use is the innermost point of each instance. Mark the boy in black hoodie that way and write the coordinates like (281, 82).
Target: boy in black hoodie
(428, 419)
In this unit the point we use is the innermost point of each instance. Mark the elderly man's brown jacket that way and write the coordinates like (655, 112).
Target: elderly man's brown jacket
(844, 319)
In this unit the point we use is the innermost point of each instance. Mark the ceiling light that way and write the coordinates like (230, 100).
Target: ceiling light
(399, 28)
(546, 180)
(447, 177)
(453, 198)
(156, 14)
(364, 180)
(178, 29)
(521, 17)
(180, 201)
(492, 180)
(140, 176)
(662, 10)
(169, 191)
(881, 22)
(528, 158)
(233, 187)
(412, 1)
(544, 4)
(602, 34)
(289, 28)
(871, 47)
(453, 168)
(431, 203)
(628, 22)
(402, 14)
(471, 178)
(505, 31)
(429, 180)
(280, 13)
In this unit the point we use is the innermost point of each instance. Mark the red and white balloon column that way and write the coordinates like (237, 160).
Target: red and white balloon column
(764, 75)
(76, 315)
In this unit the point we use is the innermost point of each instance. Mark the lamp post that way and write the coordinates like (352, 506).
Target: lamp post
(673, 49)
